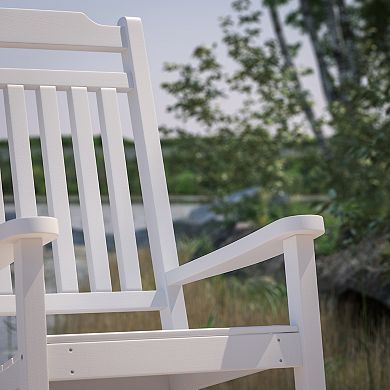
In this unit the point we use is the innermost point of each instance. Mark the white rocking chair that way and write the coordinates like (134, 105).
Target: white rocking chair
(176, 357)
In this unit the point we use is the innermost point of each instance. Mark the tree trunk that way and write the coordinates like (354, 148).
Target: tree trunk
(335, 38)
(311, 27)
(350, 47)
(305, 105)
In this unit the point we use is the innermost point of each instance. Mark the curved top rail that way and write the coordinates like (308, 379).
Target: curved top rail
(56, 30)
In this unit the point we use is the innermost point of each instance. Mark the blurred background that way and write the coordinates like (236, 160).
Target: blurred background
(267, 108)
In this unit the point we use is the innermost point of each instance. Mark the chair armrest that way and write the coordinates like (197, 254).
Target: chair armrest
(14, 230)
(259, 246)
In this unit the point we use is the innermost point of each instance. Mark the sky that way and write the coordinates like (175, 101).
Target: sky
(172, 29)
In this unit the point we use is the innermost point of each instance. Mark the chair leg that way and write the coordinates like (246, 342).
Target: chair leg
(302, 291)
(31, 315)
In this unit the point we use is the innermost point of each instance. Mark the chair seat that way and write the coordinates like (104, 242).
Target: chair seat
(171, 352)
(164, 334)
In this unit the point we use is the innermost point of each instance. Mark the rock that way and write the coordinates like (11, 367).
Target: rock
(360, 270)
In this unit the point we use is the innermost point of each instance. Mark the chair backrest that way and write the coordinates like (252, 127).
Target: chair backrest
(54, 30)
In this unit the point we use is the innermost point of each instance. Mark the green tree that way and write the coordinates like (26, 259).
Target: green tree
(351, 46)
(350, 43)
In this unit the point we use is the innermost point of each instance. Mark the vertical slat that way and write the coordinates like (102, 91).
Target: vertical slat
(20, 154)
(89, 193)
(56, 189)
(118, 188)
(5, 273)
(151, 169)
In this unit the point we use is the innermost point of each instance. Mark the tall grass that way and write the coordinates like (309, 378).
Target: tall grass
(356, 350)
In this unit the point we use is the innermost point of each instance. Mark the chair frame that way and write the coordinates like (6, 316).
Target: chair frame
(216, 355)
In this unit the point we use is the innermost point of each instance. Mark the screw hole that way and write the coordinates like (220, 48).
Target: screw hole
(279, 340)
(71, 372)
(21, 357)
(281, 360)
(70, 349)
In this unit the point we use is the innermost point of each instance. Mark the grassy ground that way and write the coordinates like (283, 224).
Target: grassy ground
(356, 350)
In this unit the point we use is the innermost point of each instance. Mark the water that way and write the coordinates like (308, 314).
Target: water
(179, 211)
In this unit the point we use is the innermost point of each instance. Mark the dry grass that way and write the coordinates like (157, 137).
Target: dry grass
(356, 352)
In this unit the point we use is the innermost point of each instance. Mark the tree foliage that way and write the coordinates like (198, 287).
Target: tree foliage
(274, 116)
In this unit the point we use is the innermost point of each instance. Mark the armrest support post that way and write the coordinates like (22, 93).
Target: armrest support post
(303, 306)
(30, 314)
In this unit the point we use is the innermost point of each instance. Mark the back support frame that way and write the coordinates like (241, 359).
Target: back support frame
(36, 29)
(151, 171)
(74, 31)
(56, 30)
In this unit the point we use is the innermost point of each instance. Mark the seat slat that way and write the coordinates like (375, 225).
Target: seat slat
(95, 302)
(19, 149)
(170, 333)
(5, 273)
(165, 356)
(118, 187)
(89, 193)
(56, 189)
(64, 79)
